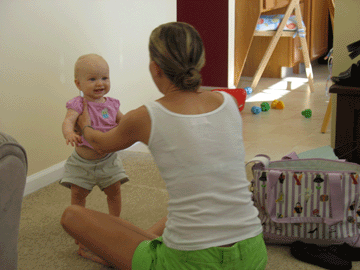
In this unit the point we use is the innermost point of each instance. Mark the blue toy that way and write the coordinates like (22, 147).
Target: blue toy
(255, 110)
(248, 90)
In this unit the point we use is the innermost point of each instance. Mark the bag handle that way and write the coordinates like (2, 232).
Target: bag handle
(262, 160)
(292, 156)
(336, 201)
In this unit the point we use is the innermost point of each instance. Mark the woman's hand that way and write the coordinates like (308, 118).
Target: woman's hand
(84, 118)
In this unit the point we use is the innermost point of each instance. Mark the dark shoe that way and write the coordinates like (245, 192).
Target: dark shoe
(353, 46)
(346, 252)
(319, 256)
(354, 49)
(349, 77)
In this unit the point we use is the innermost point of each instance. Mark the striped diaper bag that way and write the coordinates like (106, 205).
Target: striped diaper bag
(315, 200)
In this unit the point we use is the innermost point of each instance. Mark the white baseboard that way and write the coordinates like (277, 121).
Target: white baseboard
(54, 173)
(43, 178)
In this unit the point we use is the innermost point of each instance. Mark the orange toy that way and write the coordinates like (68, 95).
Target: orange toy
(276, 104)
(238, 93)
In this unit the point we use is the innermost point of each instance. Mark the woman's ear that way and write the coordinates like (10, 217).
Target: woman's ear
(155, 69)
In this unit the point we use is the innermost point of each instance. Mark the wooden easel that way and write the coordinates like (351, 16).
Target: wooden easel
(294, 5)
(328, 110)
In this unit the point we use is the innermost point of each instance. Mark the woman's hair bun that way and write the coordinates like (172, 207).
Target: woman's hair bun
(189, 79)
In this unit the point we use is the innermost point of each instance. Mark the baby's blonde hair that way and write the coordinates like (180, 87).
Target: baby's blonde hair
(179, 51)
(82, 59)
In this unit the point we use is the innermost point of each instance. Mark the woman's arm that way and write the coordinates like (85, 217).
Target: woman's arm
(133, 127)
(119, 115)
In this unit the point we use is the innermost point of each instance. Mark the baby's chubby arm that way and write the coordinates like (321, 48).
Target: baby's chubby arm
(68, 128)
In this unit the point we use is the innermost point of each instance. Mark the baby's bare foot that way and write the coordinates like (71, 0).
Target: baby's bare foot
(86, 253)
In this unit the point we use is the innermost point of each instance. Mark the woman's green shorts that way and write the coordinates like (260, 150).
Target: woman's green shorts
(249, 254)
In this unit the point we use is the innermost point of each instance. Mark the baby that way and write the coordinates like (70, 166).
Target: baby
(86, 168)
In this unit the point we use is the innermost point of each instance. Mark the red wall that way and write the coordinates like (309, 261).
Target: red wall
(210, 19)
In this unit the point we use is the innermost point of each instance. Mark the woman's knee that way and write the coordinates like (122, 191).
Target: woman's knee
(71, 215)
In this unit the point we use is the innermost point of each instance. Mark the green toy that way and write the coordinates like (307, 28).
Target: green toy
(265, 106)
(307, 113)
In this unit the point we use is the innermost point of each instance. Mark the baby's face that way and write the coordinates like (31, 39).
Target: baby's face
(93, 79)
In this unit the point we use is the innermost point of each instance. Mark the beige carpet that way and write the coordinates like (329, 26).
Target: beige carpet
(43, 244)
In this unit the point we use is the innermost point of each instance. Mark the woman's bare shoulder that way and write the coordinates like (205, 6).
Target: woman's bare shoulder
(139, 122)
(219, 96)
(139, 113)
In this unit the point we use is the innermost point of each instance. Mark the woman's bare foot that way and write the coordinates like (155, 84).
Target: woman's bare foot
(87, 254)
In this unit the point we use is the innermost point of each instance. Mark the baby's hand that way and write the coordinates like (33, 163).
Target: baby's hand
(73, 139)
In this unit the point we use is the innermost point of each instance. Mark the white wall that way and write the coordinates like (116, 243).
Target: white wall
(40, 41)
(346, 31)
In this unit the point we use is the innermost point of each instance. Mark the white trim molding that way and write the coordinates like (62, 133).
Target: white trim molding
(43, 178)
(231, 46)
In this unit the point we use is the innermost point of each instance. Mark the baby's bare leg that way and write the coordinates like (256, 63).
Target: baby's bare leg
(78, 195)
(111, 238)
(113, 193)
